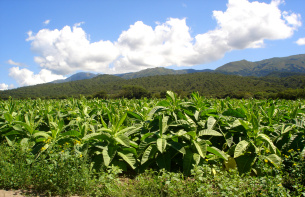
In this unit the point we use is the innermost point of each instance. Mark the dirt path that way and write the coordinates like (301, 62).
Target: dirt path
(11, 193)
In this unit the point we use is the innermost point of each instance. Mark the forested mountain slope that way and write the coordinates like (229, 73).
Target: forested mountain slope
(295, 63)
(207, 84)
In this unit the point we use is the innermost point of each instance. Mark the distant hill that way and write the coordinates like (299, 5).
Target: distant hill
(132, 75)
(207, 84)
(159, 71)
(294, 64)
(76, 77)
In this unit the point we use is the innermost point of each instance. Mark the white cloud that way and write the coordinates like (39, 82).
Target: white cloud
(46, 22)
(68, 50)
(243, 25)
(247, 25)
(11, 62)
(3, 86)
(25, 77)
(301, 41)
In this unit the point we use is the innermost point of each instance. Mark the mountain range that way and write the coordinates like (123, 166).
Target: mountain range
(290, 65)
(294, 64)
(232, 79)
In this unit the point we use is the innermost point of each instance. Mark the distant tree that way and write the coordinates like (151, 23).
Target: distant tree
(101, 95)
(135, 91)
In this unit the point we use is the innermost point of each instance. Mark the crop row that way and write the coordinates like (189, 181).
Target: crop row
(172, 134)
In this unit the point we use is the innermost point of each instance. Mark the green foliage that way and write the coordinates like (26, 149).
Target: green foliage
(208, 84)
(134, 92)
(74, 137)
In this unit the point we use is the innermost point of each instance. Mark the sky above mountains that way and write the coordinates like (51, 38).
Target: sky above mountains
(42, 41)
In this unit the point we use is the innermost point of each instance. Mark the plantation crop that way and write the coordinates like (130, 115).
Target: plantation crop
(174, 134)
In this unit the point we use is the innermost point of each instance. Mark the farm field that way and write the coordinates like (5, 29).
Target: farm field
(172, 147)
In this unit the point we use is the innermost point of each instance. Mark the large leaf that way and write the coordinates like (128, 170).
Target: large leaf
(108, 155)
(129, 158)
(201, 148)
(154, 111)
(171, 96)
(211, 123)
(230, 163)
(241, 148)
(161, 144)
(163, 124)
(135, 115)
(96, 136)
(41, 134)
(209, 133)
(188, 162)
(148, 153)
(274, 159)
(164, 161)
(120, 122)
(123, 139)
(8, 117)
(267, 140)
(217, 152)
(245, 162)
(178, 146)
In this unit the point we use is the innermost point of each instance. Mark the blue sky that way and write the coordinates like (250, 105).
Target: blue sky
(42, 41)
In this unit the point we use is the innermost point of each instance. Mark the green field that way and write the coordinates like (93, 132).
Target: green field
(212, 147)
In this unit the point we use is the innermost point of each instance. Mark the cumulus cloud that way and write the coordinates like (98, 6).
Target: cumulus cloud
(4, 86)
(25, 77)
(242, 25)
(46, 22)
(11, 62)
(301, 41)
(68, 50)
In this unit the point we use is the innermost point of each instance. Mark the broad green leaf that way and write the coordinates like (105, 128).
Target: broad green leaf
(196, 158)
(245, 162)
(241, 148)
(188, 162)
(123, 139)
(201, 148)
(209, 133)
(274, 159)
(244, 124)
(135, 115)
(129, 130)
(96, 136)
(154, 111)
(178, 146)
(129, 158)
(108, 155)
(8, 117)
(217, 152)
(230, 163)
(164, 125)
(10, 142)
(266, 139)
(148, 153)
(211, 123)
(12, 133)
(192, 134)
(161, 144)
(41, 134)
(171, 96)
(17, 127)
(164, 161)
(119, 124)
(24, 142)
